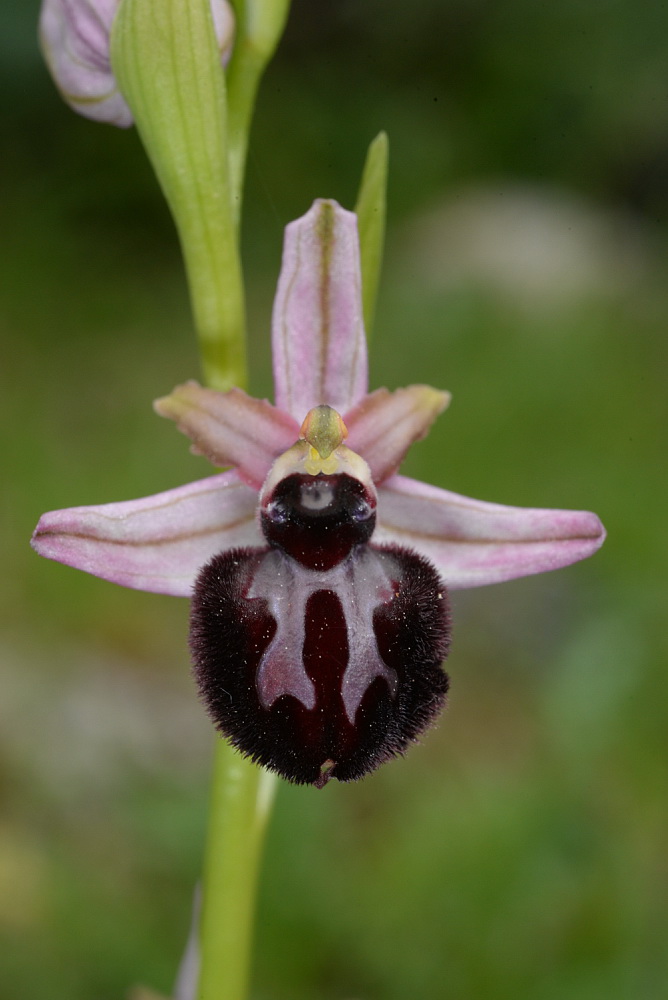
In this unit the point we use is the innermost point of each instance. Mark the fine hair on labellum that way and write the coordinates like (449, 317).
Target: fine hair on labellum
(320, 673)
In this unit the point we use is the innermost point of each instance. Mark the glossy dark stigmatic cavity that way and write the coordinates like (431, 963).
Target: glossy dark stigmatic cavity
(317, 520)
(320, 674)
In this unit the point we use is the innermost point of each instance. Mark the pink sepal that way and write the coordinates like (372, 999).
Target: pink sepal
(158, 543)
(318, 340)
(473, 543)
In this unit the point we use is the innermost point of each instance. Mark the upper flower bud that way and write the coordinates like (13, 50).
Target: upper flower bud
(75, 40)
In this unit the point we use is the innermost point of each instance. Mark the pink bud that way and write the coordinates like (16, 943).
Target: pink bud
(74, 35)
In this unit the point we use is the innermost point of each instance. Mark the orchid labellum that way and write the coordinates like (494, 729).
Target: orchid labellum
(318, 575)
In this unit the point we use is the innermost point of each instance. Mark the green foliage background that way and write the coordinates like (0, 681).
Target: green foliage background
(521, 850)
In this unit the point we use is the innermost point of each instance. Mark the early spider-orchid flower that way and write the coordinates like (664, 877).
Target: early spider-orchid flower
(75, 39)
(318, 575)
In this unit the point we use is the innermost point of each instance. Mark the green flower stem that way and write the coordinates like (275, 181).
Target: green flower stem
(259, 26)
(166, 61)
(195, 131)
(242, 795)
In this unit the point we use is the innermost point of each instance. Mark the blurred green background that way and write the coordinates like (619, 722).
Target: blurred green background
(520, 852)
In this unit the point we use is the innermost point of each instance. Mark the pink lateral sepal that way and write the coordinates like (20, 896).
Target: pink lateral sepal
(472, 543)
(158, 543)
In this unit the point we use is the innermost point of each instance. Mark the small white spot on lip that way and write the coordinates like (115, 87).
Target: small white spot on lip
(316, 496)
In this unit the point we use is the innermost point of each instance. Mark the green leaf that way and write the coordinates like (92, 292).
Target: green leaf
(165, 57)
(371, 210)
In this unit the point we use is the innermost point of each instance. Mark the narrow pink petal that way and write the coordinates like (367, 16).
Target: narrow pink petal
(158, 543)
(384, 425)
(231, 428)
(318, 340)
(472, 543)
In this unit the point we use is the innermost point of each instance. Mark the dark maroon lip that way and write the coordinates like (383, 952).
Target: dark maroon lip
(320, 675)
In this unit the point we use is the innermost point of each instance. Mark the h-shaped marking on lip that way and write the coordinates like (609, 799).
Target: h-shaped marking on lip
(361, 584)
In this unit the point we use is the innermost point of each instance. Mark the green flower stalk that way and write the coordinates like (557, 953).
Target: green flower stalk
(242, 796)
